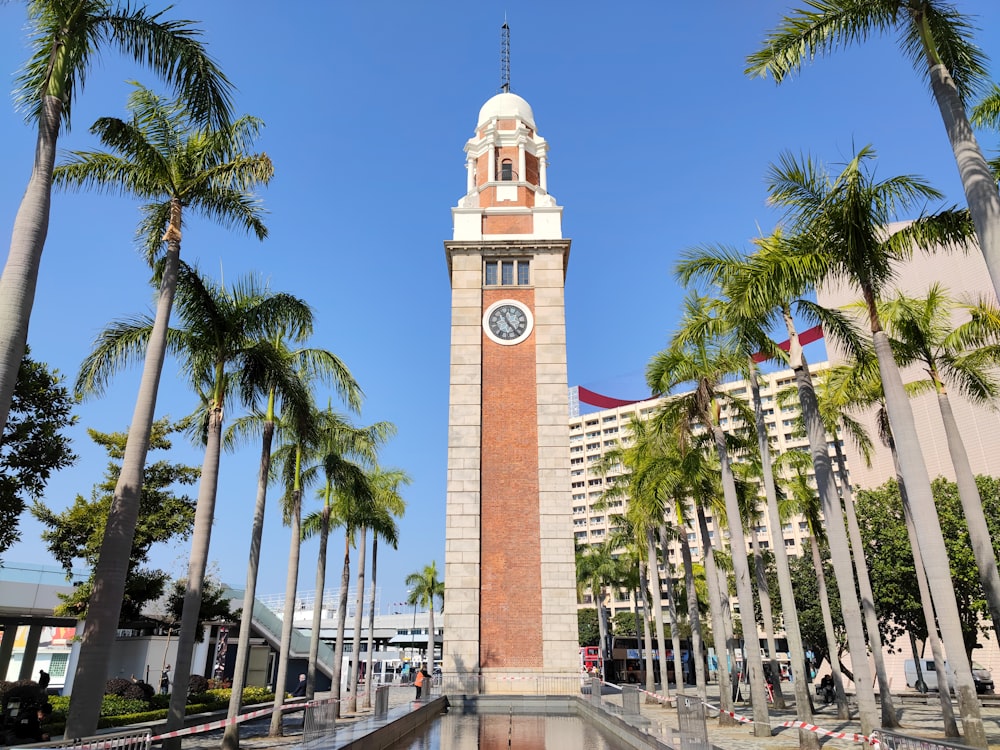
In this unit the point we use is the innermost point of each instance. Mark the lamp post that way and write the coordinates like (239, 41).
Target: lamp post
(413, 639)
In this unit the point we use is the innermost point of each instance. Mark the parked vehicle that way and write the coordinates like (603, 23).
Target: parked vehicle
(980, 674)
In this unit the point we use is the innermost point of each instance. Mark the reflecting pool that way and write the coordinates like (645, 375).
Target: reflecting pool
(497, 731)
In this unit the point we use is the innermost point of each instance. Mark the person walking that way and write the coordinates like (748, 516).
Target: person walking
(165, 680)
(419, 681)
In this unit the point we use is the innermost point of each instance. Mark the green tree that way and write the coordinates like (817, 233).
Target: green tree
(624, 624)
(215, 605)
(425, 591)
(162, 156)
(938, 40)
(880, 513)
(76, 534)
(33, 445)
(839, 233)
(590, 633)
(66, 37)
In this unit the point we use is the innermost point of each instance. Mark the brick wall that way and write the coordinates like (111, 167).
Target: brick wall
(511, 603)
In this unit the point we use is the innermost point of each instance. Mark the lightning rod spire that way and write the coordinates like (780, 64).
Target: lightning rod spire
(505, 57)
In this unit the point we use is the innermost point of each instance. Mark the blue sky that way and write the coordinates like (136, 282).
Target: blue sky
(658, 142)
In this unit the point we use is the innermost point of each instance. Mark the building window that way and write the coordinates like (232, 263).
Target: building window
(507, 273)
(506, 170)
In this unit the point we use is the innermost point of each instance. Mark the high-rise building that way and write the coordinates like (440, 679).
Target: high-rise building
(592, 436)
(509, 564)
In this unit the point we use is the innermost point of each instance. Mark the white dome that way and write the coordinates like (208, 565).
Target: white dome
(505, 106)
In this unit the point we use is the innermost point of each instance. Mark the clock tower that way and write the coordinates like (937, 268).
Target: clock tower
(510, 591)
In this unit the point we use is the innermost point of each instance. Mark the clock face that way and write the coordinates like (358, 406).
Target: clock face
(507, 322)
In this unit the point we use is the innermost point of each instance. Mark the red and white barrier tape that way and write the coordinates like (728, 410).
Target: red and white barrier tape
(657, 696)
(853, 737)
(222, 723)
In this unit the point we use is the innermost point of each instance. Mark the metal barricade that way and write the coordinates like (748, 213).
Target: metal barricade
(896, 741)
(691, 723)
(138, 739)
(319, 723)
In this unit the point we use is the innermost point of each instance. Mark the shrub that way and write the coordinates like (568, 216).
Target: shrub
(197, 684)
(159, 701)
(138, 691)
(254, 694)
(116, 705)
(117, 686)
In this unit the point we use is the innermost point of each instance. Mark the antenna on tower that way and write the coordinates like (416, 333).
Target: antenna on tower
(505, 58)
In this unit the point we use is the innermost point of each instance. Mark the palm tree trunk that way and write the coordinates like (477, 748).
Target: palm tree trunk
(20, 274)
(921, 500)
(694, 619)
(843, 710)
(889, 720)
(317, 617)
(656, 589)
(602, 626)
(836, 534)
(200, 541)
(116, 547)
(790, 616)
(718, 628)
(977, 178)
(431, 640)
(764, 598)
(972, 506)
(647, 633)
(370, 653)
(288, 617)
(231, 737)
(359, 605)
(744, 593)
(947, 713)
(338, 649)
(675, 630)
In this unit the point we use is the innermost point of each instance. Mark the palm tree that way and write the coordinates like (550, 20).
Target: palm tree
(224, 345)
(646, 514)
(772, 297)
(722, 267)
(162, 157)
(937, 39)
(298, 436)
(841, 233)
(342, 451)
(386, 485)
(597, 569)
(804, 501)
(921, 332)
(425, 589)
(67, 36)
(368, 515)
(315, 364)
(836, 422)
(858, 386)
(707, 362)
